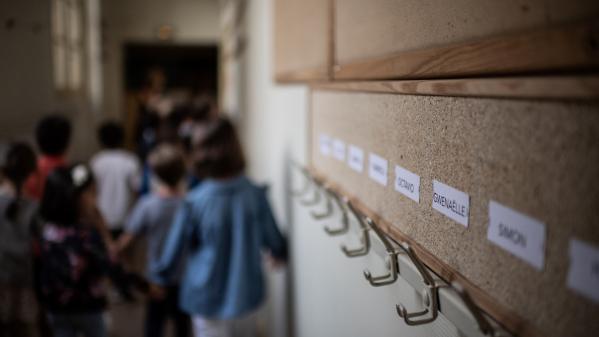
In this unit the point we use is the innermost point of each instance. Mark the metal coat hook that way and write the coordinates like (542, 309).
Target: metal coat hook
(307, 180)
(316, 196)
(364, 239)
(329, 206)
(392, 265)
(430, 295)
(344, 217)
(483, 324)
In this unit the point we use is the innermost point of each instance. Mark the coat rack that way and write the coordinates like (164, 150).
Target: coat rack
(438, 296)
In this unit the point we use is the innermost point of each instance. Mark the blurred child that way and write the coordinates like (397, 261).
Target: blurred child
(226, 223)
(152, 217)
(117, 173)
(74, 260)
(17, 228)
(52, 134)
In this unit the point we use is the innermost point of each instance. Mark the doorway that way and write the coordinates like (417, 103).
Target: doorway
(165, 82)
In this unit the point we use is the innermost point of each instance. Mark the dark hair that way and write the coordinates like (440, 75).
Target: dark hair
(53, 134)
(64, 185)
(19, 164)
(111, 135)
(167, 163)
(217, 151)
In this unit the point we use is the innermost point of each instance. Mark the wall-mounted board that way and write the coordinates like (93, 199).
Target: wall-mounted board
(384, 39)
(538, 158)
(303, 40)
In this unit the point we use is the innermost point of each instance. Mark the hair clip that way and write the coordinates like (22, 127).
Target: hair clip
(79, 174)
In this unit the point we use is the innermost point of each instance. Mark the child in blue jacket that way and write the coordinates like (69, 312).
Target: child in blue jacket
(225, 225)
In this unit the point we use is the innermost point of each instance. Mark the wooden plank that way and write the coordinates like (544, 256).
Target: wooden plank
(301, 40)
(556, 87)
(572, 47)
(502, 315)
(318, 74)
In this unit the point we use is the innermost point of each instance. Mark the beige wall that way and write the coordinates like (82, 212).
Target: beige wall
(26, 84)
(194, 21)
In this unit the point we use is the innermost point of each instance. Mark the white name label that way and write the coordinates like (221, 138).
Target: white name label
(450, 202)
(339, 149)
(407, 183)
(325, 145)
(355, 159)
(583, 276)
(517, 233)
(377, 168)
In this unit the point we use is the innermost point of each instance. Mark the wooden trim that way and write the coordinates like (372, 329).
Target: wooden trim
(318, 74)
(555, 87)
(501, 314)
(331, 59)
(310, 127)
(573, 47)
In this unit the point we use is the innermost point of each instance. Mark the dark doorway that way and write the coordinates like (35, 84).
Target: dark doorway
(194, 67)
(165, 84)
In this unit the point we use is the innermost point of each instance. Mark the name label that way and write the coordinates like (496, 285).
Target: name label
(377, 168)
(339, 149)
(355, 159)
(583, 275)
(325, 145)
(407, 183)
(450, 202)
(517, 233)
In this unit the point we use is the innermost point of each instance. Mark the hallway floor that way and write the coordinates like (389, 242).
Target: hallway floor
(126, 319)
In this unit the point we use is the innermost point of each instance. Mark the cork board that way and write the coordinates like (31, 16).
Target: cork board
(366, 29)
(302, 39)
(540, 158)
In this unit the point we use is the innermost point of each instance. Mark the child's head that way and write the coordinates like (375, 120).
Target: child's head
(111, 135)
(217, 151)
(68, 191)
(167, 164)
(53, 134)
(19, 164)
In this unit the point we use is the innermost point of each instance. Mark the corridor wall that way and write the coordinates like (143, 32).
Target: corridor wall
(494, 102)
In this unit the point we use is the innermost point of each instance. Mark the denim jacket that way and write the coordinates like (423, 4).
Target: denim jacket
(222, 228)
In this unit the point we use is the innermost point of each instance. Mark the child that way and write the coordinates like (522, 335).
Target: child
(17, 228)
(117, 173)
(52, 134)
(225, 223)
(73, 260)
(152, 217)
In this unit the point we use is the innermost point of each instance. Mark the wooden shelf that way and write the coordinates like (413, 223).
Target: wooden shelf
(555, 87)
(571, 47)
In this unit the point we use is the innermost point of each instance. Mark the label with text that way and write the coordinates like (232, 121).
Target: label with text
(355, 158)
(339, 149)
(583, 275)
(325, 145)
(407, 183)
(377, 168)
(517, 233)
(450, 202)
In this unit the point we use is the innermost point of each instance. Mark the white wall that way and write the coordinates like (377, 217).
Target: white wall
(194, 21)
(26, 82)
(273, 126)
(327, 294)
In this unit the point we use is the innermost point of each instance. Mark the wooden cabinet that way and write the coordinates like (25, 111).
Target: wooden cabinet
(384, 39)
(303, 40)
